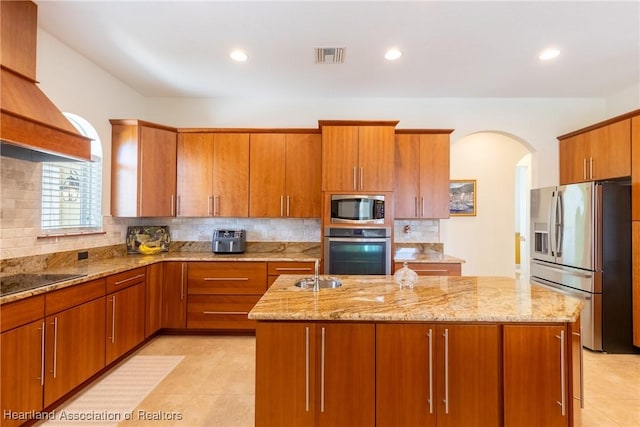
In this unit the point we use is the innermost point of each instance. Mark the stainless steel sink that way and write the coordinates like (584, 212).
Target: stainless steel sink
(323, 283)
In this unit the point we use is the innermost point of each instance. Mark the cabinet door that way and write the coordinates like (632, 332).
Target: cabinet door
(125, 321)
(21, 370)
(285, 384)
(611, 151)
(405, 368)
(407, 176)
(195, 175)
(468, 384)
(227, 277)
(267, 178)
(535, 385)
(157, 172)
(340, 158)
(575, 152)
(434, 176)
(635, 169)
(303, 171)
(345, 374)
(375, 158)
(153, 295)
(636, 281)
(75, 348)
(174, 295)
(231, 175)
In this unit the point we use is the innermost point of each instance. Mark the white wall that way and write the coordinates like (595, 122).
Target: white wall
(485, 241)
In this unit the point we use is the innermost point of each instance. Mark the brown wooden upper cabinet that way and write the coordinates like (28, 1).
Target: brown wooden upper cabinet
(357, 156)
(285, 175)
(600, 153)
(143, 169)
(422, 174)
(213, 174)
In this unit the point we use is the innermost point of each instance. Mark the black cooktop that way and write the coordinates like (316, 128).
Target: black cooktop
(26, 281)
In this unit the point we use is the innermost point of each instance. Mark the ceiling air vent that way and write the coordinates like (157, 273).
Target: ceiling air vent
(329, 55)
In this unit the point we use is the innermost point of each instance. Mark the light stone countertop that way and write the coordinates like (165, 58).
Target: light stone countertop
(433, 299)
(105, 267)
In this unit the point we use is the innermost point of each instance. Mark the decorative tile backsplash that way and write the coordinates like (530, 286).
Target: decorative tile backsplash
(20, 190)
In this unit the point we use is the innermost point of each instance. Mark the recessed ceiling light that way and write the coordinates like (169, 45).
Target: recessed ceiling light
(548, 54)
(238, 55)
(392, 54)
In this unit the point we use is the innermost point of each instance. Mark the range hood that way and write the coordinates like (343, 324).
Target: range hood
(31, 126)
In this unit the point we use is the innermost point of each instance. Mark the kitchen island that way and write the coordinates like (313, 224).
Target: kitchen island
(452, 351)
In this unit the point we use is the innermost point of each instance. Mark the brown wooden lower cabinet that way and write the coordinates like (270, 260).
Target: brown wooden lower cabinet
(433, 268)
(21, 371)
(75, 348)
(154, 290)
(438, 375)
(220, 311)
(315, 374)
(174, 295)
(125, 320)
(536, 386)
(636, 279)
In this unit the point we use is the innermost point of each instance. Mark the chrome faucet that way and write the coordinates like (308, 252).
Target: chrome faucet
(316, 279)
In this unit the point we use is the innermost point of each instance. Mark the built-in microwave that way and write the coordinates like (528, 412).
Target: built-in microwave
(357, 209)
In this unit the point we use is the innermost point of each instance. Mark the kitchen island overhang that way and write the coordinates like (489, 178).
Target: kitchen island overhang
(491, 351)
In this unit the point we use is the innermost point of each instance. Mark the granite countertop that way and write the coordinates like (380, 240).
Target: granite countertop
(105, 267)
(433, 299)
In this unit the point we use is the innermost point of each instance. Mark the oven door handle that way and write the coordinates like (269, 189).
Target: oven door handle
(358, 239)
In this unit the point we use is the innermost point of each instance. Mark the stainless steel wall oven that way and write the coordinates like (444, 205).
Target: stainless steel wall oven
(357, 250)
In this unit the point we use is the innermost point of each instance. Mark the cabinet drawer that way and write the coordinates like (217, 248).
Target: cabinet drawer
(278, 268)
(433, 268)
(21, 312)
(74, 295)
(125, 279)
(220, 312)
(230, 278)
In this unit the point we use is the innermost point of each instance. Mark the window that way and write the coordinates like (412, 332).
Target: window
(72, 191)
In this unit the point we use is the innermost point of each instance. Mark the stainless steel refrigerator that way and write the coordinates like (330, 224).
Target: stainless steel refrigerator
(581, 245)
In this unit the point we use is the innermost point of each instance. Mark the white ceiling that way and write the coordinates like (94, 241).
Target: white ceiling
(450, 48)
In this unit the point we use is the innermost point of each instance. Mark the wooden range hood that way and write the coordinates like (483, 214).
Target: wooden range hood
(31, 126)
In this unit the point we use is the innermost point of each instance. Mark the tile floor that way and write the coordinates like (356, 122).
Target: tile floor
(214, 385)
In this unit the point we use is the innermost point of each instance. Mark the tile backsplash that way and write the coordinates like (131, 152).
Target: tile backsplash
(20, 234)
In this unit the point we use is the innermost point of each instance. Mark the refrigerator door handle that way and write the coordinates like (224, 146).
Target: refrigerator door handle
(551, 224)
(559, 223)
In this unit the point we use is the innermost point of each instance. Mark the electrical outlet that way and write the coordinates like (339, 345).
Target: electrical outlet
(83, 255)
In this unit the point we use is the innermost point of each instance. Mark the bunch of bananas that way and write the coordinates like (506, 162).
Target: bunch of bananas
(149, 248)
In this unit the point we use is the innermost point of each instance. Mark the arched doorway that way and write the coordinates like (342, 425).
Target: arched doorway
(486, 241)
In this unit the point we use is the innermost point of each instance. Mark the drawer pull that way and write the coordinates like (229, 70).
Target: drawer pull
(120, 282)
(431, 271)
(293, 269)
(226, 312)
(217, 279)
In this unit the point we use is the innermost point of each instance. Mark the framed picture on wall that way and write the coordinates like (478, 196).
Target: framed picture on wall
(462, 197)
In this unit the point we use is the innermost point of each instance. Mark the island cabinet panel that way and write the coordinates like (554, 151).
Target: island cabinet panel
(597, 154)
(635, 169)
(422, 176)
(438, 375)
(358, 158)
(174, 295)
(536, 386)
(315, 374)
(636, 282)
(75, 348)
(22, 370)
(220, 294)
